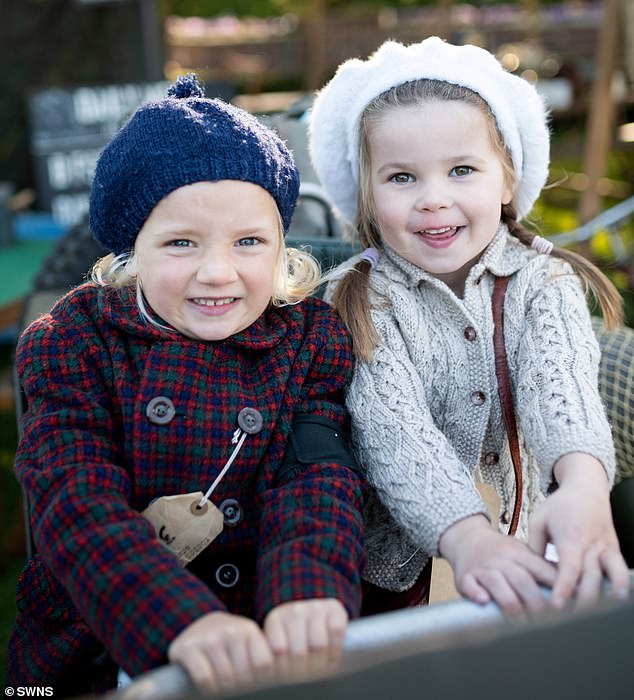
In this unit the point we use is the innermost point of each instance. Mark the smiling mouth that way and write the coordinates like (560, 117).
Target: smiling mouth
(445, 230)
(214, 302)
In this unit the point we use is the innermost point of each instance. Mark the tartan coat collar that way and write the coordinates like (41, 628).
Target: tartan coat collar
(119, 308)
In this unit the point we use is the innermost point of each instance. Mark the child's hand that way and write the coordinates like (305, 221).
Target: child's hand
(222, 651)
(490, 566)
(306, 636)
(577, 519)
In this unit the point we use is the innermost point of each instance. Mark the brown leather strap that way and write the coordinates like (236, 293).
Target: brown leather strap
(506, 394)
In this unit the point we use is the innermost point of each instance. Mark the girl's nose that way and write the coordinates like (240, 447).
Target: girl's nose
(432, 196)
(216, 267)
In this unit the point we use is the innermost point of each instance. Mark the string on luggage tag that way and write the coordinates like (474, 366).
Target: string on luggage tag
(249, 423)
(228, 464)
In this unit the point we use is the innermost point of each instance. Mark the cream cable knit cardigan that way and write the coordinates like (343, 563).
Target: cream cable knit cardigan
(425, 411)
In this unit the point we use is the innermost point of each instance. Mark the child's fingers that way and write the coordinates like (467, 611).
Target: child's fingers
(296, 661)
(617, 572)
(526, 586)
(568, 573)
(306, 636)
(513, 583)
(223, 666)
(337, 625)
(295, 624)
(221, 650)
(260, 657)
(581, 574)
(277, 637)
(326, 632)
(542, 570)
(317, 643)
(470, 588)
(503, 593)
(252, 660)
(589, 586)
(209, 669)
(198, 668)
(275, 633)
(317, 633)
(327, 623)
(241, 667)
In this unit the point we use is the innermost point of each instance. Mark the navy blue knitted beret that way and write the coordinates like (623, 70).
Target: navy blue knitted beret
(183, 139)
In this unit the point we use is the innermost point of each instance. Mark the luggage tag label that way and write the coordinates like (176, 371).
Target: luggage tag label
(182, 525)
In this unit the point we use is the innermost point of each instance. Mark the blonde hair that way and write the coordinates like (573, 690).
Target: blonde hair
(350, 297)
(297, 275)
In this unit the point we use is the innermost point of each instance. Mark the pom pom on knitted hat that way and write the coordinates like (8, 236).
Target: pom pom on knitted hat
(186, 86)
(183, 139)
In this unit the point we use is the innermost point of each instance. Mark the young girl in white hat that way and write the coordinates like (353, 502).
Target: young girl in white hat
(433, 153)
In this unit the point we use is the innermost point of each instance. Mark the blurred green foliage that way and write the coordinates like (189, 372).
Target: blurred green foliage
(265, 8)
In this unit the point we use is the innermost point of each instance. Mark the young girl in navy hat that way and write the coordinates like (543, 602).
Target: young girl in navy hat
(192, 497)
(433, 154)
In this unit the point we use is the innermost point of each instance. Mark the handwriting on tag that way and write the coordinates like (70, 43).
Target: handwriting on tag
(183, 527)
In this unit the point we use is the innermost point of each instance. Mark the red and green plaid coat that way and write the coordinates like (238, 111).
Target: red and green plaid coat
(102, 591)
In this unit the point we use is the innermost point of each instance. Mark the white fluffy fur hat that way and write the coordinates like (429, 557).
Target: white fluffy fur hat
(515, 103)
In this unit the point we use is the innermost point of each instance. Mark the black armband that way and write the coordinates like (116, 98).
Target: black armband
(316, 439)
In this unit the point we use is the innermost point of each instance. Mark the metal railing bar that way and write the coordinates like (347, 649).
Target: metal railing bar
(433, 623)
(609, 219)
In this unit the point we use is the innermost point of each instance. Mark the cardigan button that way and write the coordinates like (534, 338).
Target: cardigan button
(231, 511)
(160, 410)
(470, 333)
(250, 420)
(478, 398)
(227, 575)
(491, 458)
(505, 518)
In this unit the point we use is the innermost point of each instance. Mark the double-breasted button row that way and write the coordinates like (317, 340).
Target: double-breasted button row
(227, 575)
(160, 411)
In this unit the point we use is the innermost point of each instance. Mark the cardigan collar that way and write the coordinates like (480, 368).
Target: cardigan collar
(118, 307)
(504, 256)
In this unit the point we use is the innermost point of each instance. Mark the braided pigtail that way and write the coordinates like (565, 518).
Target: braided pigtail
(348, 300)
(601, 287)
(351, 298)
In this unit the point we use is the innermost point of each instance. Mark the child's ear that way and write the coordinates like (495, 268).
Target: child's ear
(508, 192)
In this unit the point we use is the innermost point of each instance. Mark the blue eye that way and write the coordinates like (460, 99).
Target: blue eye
(180, 243)
(248, 242)
(462, 170)
(401, 178)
